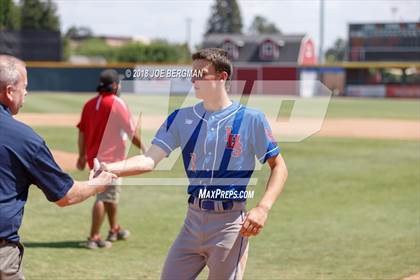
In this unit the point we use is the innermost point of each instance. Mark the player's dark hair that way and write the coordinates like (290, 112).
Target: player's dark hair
(218, 57)
(106, 80)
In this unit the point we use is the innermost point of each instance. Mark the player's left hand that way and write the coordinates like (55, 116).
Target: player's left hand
(254, 221)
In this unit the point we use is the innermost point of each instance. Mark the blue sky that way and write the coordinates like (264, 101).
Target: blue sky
(167, 19)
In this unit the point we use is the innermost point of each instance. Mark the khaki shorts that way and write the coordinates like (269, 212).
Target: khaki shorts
(11, 262)
(112, 194)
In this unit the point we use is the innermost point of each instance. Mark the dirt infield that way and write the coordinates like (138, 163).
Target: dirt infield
(413, 277)
(66, 160)
(344, 127)
(371, 128)
(56, 120)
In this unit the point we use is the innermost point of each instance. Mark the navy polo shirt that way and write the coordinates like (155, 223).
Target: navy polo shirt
(24, 160)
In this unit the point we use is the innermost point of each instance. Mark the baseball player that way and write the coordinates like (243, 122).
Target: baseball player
(220, 140)
(103, 128)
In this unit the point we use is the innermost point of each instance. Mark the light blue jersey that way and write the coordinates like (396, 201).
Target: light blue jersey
(218, 148)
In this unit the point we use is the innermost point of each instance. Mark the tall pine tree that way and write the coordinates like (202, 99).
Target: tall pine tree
(225, 18)
(261, 25)
(39, 15)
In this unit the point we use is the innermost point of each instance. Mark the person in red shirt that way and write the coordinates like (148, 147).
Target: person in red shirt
(104, 126)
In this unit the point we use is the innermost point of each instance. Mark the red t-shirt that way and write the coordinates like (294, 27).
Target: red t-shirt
(106, 122)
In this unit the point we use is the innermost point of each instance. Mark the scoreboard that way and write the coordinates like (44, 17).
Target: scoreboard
(384, 42)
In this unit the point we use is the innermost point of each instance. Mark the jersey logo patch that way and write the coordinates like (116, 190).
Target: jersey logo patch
(188, 121)
(233, 142)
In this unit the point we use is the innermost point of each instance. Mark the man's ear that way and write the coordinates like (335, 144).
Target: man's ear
(224, 75)
(9, 92)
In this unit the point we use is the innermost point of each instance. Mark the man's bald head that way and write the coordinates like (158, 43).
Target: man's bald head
(13, 82)
(9, 70)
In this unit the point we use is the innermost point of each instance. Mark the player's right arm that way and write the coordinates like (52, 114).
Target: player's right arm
(165, 141)
(138, 164)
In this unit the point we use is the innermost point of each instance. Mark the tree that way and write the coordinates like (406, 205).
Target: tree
(39, 15)
(79, 33)
(9, 15)
(156, 51)
(225, 18)
(337, 52)
(260, 25)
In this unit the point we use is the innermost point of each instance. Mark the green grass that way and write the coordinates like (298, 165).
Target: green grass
(374, 108)
(350, 210)
(59, 138)
(338, 107)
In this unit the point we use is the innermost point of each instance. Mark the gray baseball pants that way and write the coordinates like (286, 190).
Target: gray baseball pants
(209, 237)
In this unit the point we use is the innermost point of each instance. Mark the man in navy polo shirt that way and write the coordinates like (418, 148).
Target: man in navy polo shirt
(24, 160)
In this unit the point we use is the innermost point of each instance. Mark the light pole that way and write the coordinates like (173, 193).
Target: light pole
(188, 22)
(321, 32)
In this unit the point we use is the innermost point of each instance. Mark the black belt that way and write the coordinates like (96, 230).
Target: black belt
(207, 204)
(3, 241)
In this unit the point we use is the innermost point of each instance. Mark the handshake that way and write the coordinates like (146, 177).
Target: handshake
(99, 176)
(105, 174)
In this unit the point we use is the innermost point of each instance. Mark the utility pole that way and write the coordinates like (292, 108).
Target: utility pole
(394, 11)
(321, 32)
(188, 22)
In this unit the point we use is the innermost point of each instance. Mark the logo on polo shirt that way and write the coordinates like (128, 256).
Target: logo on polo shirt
(233, 141)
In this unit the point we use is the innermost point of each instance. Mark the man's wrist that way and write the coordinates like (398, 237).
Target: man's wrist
(264, 207)
(96, 185)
